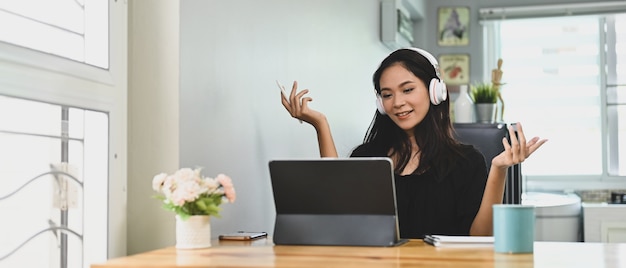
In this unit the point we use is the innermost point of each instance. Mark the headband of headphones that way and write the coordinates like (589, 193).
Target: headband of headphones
(430, 59)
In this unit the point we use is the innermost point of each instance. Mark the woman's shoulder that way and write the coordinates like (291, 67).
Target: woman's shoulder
(367, 150)
(468, 149)
(470, 152)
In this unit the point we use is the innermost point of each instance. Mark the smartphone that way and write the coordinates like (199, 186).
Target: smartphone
(243, 236)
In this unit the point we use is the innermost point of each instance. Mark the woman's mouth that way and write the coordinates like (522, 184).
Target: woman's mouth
(403, 115)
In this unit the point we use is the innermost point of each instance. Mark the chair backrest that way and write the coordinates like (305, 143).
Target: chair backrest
(487, 138)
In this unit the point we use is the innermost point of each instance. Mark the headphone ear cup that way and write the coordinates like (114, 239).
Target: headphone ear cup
(437, 91)
(379, 105)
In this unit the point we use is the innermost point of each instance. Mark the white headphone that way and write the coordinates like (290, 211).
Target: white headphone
(436, 88)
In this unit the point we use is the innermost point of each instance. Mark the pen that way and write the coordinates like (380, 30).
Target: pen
(282, 89)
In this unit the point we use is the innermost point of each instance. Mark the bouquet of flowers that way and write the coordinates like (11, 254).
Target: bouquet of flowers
(188, 193)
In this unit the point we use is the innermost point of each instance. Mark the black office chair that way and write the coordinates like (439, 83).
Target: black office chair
(487, 138)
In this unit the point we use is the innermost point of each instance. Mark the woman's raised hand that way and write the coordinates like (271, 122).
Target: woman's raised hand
(298, 106)
(518, 149)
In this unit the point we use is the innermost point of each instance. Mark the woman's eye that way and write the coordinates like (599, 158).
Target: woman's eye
(385, 96)
(407, 90)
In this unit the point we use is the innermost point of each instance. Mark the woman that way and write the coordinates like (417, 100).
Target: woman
(442, 186)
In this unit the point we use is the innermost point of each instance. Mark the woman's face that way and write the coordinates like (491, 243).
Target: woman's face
(404, 97)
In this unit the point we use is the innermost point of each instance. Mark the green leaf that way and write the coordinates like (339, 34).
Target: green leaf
(484, 93)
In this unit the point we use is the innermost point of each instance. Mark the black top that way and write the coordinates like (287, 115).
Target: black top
(446, 206)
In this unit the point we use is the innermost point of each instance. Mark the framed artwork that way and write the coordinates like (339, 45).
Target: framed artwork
(453, 26)
(454, 68)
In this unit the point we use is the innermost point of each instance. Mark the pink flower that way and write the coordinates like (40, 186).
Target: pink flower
(224, 180)
(230, 194)
(229, 189)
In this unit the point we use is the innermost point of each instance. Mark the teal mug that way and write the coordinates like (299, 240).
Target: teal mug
(513, 228)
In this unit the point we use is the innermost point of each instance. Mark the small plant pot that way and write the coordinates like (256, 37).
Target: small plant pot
(486, 113)
(194, 232)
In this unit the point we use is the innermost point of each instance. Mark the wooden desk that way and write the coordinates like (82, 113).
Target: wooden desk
(262, 253)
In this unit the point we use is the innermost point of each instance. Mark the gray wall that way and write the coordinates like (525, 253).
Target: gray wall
(231, 118)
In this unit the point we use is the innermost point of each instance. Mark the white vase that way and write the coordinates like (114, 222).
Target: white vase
(194, 232)
(463, 107)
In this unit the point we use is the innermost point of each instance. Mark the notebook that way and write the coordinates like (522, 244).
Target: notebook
(335, 201)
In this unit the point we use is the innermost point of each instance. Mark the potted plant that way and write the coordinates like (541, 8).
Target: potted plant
(485, 97)
(194, 198)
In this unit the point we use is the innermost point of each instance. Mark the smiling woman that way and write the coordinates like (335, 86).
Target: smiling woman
(442, 185)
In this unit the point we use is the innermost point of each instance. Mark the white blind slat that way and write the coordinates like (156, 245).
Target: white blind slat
(552, 75)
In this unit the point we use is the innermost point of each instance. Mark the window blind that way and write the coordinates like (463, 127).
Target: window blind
(551, 10)
(552, 86)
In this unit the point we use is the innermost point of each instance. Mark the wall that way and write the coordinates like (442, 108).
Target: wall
(231, 118)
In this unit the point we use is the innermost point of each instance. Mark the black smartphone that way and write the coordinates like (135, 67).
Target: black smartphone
(243, 236)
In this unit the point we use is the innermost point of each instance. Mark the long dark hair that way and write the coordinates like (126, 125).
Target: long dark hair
(434, 135)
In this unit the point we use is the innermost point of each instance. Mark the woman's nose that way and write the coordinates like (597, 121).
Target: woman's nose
(398, 101)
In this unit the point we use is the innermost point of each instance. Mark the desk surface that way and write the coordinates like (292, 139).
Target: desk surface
(262, 253)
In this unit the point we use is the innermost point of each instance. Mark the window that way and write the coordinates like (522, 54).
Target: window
(74, 29)
(556, 74)
(55, 107)
(46, 214)
(616, 94)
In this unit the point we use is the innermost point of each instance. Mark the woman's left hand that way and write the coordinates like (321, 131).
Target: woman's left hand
(518, 150)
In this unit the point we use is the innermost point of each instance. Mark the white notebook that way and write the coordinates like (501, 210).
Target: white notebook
(458, 241)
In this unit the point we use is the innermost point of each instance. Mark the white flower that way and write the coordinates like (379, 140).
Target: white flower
(157, 182)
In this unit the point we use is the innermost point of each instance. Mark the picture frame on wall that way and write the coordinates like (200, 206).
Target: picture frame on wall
(455, 68)
(453, 26)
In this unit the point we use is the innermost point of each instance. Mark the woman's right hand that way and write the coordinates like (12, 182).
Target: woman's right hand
(298, 106)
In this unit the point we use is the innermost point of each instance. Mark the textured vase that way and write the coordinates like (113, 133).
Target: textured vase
(463, 107)
(194, 232)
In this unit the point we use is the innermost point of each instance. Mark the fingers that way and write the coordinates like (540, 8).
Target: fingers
(292, 94)
(515, 152)
(531, 146)
(526, 148)
(523, 152)
(536, 143)
(507, 146)
(295, 103)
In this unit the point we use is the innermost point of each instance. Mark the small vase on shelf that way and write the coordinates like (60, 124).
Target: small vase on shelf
(486, 113)
(463, 107)
(193, 232)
